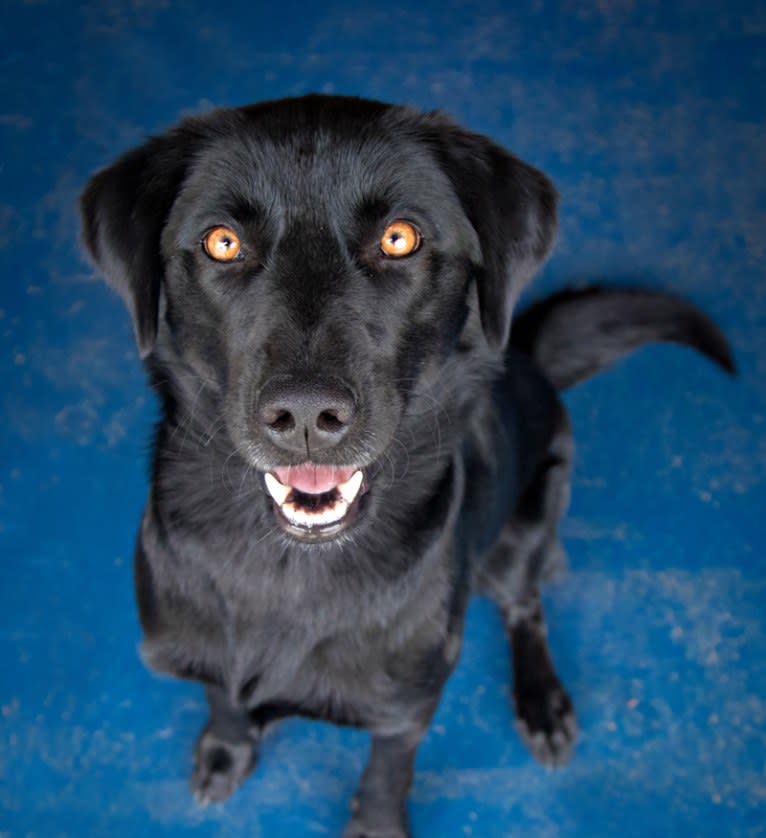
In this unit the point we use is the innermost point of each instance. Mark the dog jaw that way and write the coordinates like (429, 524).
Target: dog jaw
(314, 502)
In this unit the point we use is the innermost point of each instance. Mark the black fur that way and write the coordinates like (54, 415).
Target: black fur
(576, 334)
(464, 445)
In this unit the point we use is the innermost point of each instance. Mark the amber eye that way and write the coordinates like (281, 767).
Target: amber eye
(400, 239)
(222, 244)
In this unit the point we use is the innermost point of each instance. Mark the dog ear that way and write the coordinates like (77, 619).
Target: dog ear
(123, 210)
(512, 207)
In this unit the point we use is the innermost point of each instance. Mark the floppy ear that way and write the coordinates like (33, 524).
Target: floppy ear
(512, 207)
(124, 209)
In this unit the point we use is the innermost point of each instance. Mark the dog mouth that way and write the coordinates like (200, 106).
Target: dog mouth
(315, 502)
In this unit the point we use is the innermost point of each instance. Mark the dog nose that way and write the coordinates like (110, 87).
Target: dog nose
(305, 417)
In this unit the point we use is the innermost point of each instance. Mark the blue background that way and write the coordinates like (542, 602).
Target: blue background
(650, 117)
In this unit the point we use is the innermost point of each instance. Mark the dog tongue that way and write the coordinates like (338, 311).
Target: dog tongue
(313, 479)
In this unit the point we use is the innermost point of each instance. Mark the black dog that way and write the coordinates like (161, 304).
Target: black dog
(350, 443)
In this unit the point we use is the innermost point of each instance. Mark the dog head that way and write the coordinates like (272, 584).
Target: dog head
(318, 265)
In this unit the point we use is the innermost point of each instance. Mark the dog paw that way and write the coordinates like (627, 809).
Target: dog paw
(375, 822)
(220, 767)
(359, 830)
(546, 723)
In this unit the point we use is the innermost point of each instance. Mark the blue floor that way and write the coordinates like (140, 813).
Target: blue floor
(651, 118)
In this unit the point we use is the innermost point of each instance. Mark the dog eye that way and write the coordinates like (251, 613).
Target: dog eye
(400, 239)
(222, 244)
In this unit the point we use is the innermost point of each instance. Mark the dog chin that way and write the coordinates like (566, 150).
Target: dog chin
(314, 503)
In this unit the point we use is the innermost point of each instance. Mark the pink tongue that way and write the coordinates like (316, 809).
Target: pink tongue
(313, 479)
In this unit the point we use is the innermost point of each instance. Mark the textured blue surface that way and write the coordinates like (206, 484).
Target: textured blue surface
(651, 117)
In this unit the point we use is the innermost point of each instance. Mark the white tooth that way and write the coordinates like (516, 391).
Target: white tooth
(350, 489)
(276, 489)
(337, 511)
(304, 518)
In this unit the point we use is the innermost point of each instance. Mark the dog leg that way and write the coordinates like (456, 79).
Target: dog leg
(380, 804)
(225, 752)
(526, 553)
(545, 716)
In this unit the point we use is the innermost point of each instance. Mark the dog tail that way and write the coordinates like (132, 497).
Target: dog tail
(574, 334)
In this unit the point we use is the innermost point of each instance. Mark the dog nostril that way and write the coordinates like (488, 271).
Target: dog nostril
(281, 421)
(330, 422)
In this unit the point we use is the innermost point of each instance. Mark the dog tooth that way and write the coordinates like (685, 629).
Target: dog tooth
(304, 518)
(276, 489)
(350, 489)
(334, 513)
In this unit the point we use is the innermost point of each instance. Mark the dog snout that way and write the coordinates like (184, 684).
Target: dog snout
(303, 417)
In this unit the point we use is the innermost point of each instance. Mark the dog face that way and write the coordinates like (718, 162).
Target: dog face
(315, 265)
